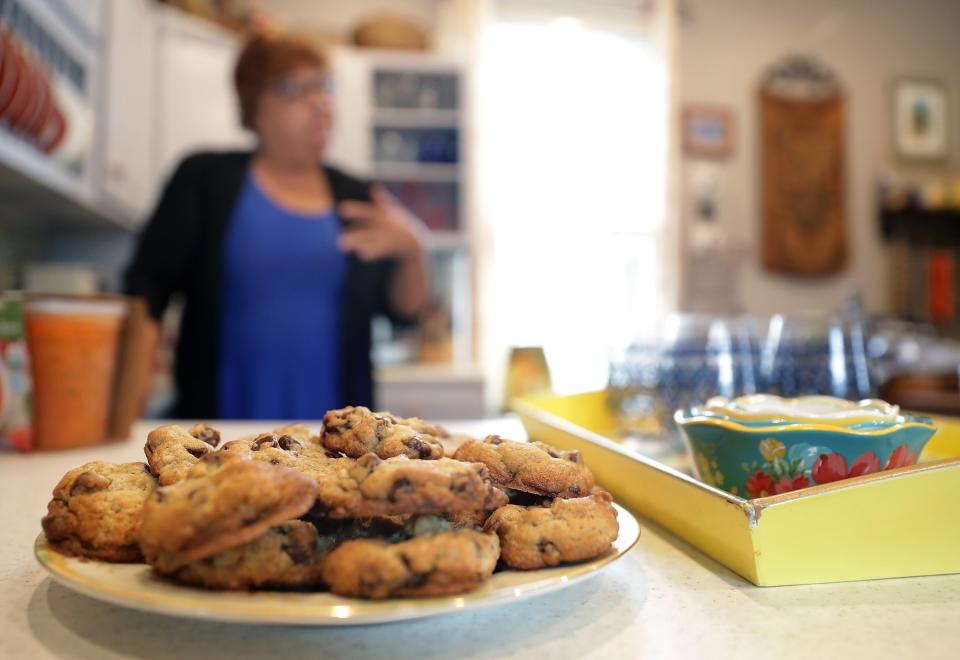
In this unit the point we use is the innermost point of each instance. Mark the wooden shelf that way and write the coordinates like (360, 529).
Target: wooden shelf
(416, 118)
(447, 240)
(36, 194)
(924, 226)
(441, 172)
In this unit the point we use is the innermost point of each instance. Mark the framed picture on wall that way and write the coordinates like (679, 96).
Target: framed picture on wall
(708, 131)
(921, 118)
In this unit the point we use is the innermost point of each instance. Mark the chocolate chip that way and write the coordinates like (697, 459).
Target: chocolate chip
(274, 461)
(206, 433)
(493, 440)
(548, 548)
(298, 551)
(416, 581)
(417, 444)
(88, 482)
(400, 486)
(459, 485)
(288, 442)
(263, 439)
(334, 454)
(574, 490)
(197, 452)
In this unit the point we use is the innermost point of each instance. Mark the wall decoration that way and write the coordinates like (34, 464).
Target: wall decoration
(708, 131)
(921, 118)
(802, 169)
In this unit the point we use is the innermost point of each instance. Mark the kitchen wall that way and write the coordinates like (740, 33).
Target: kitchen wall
(723, 50)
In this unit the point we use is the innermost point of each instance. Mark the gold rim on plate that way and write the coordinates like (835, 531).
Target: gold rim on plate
(135, 586)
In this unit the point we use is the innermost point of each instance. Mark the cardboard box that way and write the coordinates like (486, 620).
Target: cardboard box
(15, 386)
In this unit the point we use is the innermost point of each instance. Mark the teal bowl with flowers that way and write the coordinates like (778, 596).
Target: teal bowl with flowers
(765, 445)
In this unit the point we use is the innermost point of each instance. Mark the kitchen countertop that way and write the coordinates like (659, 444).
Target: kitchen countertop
(664, 599)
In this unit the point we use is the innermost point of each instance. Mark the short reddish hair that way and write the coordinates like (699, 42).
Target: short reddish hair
(265, 59)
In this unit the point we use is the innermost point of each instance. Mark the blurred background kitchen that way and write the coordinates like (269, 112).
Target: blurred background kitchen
(673, 198)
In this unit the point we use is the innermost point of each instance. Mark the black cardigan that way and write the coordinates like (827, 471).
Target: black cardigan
(181, 252)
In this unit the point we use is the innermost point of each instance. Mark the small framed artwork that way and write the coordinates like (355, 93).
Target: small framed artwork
(709, 131)
(921, 119)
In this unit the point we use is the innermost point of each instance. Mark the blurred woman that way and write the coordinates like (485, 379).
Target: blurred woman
(282, 260)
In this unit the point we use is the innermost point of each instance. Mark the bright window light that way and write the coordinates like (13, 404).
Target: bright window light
(571, 182)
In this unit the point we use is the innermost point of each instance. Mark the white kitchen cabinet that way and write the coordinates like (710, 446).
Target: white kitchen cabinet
(434, 392)
(58, 42)
(128, 175)
(169, 92)
(88, 15)
(400, 119)
(197, 106)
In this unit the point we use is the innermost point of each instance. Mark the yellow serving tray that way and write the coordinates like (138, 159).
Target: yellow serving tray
(897, 523)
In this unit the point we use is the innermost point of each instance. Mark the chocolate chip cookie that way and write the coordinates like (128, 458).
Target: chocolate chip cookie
(531, 467)
(355, 431)
(371, 486)
(224, 501)
(438, 564)
(566, 530)
(305, 455)
(171, 451)
(286, 555)
(95, 511)
(299, 431)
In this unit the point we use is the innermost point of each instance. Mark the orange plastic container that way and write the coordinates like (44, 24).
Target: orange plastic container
(73, 345)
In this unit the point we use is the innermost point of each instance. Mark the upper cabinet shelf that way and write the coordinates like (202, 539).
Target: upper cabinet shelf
(138, 85)
(416, 118)
(49, 88)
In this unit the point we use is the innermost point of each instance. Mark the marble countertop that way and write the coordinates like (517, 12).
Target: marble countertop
(664, 599)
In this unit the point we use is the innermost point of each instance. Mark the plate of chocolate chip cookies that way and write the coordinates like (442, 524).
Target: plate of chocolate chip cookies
(373, 518)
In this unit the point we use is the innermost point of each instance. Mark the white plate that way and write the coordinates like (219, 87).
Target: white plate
(135, 585)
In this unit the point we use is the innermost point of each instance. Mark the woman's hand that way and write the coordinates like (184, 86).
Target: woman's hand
(381, 228)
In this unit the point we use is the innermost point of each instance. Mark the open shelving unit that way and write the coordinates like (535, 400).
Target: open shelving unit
(400, 121)
(925, 250)
(922, 226)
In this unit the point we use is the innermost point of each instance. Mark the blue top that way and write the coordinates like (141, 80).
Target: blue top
(283, 279)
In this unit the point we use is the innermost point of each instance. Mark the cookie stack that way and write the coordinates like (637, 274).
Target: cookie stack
(370, 507)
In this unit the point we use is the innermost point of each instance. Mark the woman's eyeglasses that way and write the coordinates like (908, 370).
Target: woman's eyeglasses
(295, 89)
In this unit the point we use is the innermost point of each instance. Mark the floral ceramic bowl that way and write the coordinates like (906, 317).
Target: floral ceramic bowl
(765, 445)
